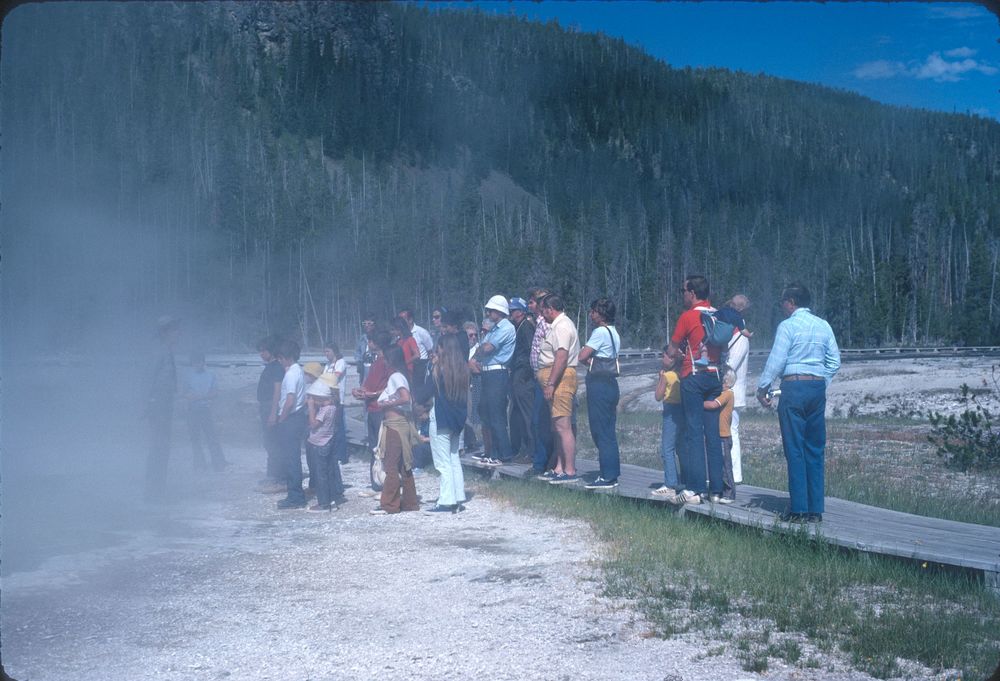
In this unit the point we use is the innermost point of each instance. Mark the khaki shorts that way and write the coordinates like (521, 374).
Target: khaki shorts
(562, 400)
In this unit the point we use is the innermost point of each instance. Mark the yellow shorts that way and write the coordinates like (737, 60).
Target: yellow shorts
(562, 400)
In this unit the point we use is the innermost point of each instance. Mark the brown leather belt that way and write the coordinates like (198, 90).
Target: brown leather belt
(802, 377)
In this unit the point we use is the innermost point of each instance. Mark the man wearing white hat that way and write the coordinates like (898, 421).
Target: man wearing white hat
(491, 359)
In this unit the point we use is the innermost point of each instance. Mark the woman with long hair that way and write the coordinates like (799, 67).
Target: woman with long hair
(396, 439)
(450, 377)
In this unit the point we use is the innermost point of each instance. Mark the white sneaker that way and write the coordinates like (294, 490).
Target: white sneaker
(665, 493)
(689, 497)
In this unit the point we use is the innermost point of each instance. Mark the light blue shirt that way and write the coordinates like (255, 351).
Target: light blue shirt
(803, 344)
(502, 337)
(601, 342)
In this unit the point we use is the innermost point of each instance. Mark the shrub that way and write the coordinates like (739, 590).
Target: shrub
(972, 438)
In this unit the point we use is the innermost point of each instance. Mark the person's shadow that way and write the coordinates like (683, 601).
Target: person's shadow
(771, 503)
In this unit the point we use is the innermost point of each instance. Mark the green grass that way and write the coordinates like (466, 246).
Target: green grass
(687, 575)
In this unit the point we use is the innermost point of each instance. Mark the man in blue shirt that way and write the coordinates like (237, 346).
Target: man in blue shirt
(491, 359)
(805, 356)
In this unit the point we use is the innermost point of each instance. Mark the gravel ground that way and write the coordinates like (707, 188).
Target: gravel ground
(222, 585)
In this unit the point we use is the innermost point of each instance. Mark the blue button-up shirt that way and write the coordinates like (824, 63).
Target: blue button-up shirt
(502, 337)
(804, 344)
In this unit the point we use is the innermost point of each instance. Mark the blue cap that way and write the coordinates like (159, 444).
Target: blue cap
(519, 304)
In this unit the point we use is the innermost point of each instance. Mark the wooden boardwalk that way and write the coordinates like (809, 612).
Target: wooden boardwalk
(845, 523)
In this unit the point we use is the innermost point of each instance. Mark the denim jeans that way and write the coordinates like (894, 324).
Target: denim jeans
(329, 484)
(602, 411)
(493, 411)
(672, 444)
(801, 413)
(522, 403)
(291, 432)
(340, 436)
(703, 440)
(444, 449)
(541, 429)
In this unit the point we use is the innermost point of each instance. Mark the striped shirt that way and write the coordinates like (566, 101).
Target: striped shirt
(541, 329)
(804, 344)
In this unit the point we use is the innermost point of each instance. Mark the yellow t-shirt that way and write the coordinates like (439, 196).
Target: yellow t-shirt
(725, 400)
(672, 395)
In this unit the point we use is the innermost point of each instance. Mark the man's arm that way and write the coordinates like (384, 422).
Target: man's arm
(287, 409)
(776, 361)
(272, 416)
(558, 368)
(831, 358)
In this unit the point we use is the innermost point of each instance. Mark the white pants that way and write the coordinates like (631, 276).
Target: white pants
(444, 451)
(734, 430)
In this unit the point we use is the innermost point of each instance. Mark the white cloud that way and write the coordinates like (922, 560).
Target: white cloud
(935, 67)
(878, 70)
(960, 53)
(944, 71)
(959, 12)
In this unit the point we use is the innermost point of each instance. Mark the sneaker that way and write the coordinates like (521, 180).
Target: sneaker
(564, 479)
(367, 493)
(689, 497)
(286, 504)
(601, 483)
(789, 517)
(666, 494)
(726, 500)
(479, 457)
(438, 508)
(378, 511)
(316, 508)
(494, 463)
(814, 517)
(548, 476)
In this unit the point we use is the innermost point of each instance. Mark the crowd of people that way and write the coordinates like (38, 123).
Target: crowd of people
(506, 391)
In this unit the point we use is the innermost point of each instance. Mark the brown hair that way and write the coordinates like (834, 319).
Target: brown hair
(451, 368)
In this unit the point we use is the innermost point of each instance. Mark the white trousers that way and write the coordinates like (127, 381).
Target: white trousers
(734, 429)
(444, 451)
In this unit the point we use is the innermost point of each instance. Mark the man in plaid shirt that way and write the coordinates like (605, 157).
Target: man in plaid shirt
(541, 428)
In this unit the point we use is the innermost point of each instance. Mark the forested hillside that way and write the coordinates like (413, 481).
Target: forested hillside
(285, 167)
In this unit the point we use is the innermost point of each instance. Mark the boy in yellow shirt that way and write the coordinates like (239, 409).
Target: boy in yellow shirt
(725, 402)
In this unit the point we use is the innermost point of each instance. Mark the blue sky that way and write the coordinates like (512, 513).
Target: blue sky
(941, 56)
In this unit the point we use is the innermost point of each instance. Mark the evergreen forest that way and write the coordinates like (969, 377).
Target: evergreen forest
(290, 167)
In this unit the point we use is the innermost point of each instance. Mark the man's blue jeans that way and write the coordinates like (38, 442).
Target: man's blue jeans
(703, 440)
(672, 444)
(291, 433)
(602, 411)
(801, 413)
(541, 428)
(493, 411)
